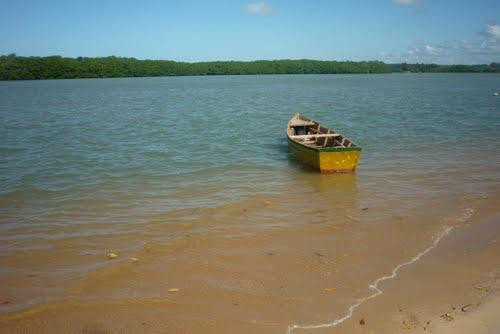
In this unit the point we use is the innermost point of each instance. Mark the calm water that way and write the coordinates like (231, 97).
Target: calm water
(93, 165)
(165, 143)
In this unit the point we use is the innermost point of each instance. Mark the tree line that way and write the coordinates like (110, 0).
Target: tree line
(14, 67)
(434, 68)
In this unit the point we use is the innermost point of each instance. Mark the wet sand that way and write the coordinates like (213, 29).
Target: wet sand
(245, 278)
(453, 289)
(482, 321)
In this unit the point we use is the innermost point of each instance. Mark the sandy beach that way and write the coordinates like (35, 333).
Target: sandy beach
(483, 321)
(452, 287)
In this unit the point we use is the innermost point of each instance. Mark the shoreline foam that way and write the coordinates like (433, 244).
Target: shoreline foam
(374, 286)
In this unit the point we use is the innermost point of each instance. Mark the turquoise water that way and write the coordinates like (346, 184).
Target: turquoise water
(92, 165)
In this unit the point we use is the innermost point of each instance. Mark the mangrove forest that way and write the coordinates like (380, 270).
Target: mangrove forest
(13, 67)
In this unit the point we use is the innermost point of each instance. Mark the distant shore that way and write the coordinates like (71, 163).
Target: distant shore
(14, 67)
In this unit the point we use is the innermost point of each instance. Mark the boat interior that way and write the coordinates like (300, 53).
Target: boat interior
(312, 134)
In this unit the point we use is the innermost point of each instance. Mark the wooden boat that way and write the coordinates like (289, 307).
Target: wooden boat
(320, 147)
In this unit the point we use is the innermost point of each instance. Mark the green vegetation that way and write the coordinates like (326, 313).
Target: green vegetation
(434, 68)
(13, 67)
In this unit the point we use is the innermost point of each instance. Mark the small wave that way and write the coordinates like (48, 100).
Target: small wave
(466, 215)
(10, 149)
(281, 147)
(375, 285)
(157, 153)
(15, 194)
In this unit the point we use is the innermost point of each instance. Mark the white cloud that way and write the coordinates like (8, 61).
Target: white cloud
(389, 54)
(455, 52)
(492, 30)
(431, 50)
(406, 2)
(259, 8)
(482, 50)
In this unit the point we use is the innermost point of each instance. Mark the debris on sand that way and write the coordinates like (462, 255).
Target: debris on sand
(410, 321)
(362, 322)
(173, 290)
(134, 259)
(465, 307)
(406, 325)
(329, 290)
(112, 255)
(427, 325)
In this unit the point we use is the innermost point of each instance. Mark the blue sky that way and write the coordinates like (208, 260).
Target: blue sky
(440, 31)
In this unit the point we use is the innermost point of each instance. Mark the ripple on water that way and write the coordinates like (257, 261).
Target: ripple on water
(116, 162)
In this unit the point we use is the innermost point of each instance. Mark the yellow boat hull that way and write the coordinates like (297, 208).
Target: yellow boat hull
(327, 160)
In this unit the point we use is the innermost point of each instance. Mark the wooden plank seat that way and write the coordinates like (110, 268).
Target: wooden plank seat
(301, 123)
(322, 135)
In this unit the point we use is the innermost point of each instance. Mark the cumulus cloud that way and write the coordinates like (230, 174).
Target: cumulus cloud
(492, 30)
(455, 52)
(259, 8)
(483, 50)
(431, 50)
(406, 2)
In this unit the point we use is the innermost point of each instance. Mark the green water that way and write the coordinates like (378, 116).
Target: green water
(119, 150)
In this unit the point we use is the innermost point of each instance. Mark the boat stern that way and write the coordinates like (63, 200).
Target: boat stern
(339, 160)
